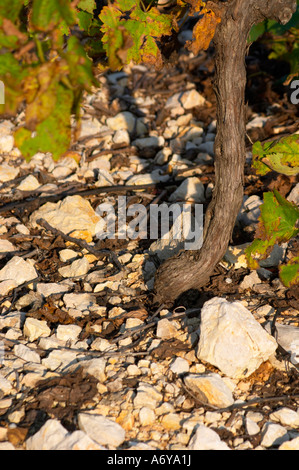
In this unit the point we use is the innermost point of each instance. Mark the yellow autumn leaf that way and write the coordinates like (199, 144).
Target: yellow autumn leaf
(203, 32)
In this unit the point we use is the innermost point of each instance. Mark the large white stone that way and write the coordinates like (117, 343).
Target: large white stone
(187, 99)
(179, 366)
(102, 430)
(274, 435)
(7, 286)
(12, 320)
(286, 417)
(191, 189)
(6, 143)
(293, 444)
(26, 353)
(147, 395)
(96, 368)
(90, 127)
(68, 332)
(294, 195)
(58, 358)
(250, 210)
(288, 337)
(79, 267)
(231, 339)
(126, 120)
(30, 183)
(78, 440)
(6, 386)
(50, 288)
(34, 329)
(210, 388)
(79, 301)
(18, 270)
(6, 245)
(206, 439)
(151, 141)
(50, 435)
(8, 172)
(73, 216)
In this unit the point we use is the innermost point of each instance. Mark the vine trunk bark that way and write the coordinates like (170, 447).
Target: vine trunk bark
(192, 269)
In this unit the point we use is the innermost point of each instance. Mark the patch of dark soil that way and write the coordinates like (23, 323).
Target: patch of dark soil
(61, 398)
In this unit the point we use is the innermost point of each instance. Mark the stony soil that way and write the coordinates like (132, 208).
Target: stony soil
(88, 360)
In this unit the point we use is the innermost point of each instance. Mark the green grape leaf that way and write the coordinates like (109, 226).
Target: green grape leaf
(289, 273)
(281, 156)
(40, 88)
(131, 34)
(11, 74)
(46, 15)
(87, 5)
(10, 9)
(84, 20)
(54, 133)
(79, 65)
(277, 224)
(257, 250)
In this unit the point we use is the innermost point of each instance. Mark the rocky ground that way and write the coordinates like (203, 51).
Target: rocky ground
(87, 360)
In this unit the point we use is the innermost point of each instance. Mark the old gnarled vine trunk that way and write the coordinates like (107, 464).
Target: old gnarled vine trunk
(192, 269)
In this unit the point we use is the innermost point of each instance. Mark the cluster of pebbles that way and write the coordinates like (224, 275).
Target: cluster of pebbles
(172, 380)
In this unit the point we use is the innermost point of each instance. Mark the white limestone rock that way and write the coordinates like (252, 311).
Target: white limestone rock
(206, 439)
(179, 366)
(96, 368)
(210, 388)
(294, 195)
(102, 430)
(147, 178)
(121, 136)
(250, 280)
(79, 267)
(286, 417)
(6, 143)
(251, 426)
(80, 301)
(34, 329)
(167, 329)
(12, 320)
(288, 338)
(51, 434)
(151, 141)
(6, 386)
(50, 288)
(30, 183)
(73, 216)
(59, 359)
(147, 395)
(146, 416)
(207, 147)
(26, 353)
(8, 172)
(18, 270)
(7, 286)
(273, 435)
(78, 440)
(126, 120)
(6, 246)
(68, 332)
(188, 99)
(250, 210)
(293, 444)
(231, 339)
(191, 189)
(90, 127)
